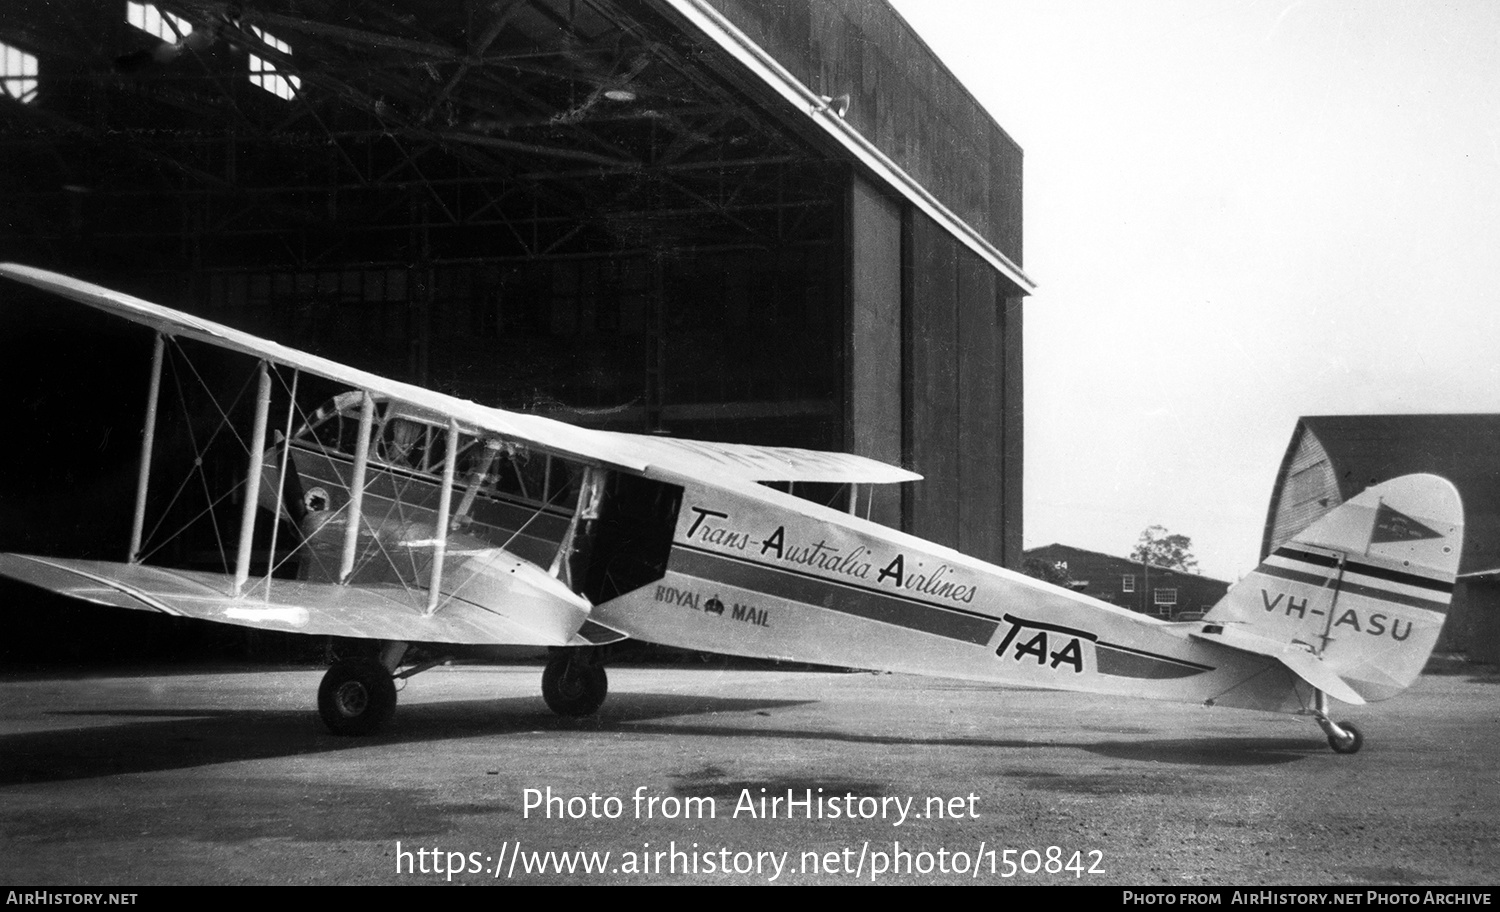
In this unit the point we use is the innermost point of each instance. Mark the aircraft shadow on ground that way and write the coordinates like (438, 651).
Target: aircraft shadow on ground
(149, 740)
(1218, 751)
(1205, 752)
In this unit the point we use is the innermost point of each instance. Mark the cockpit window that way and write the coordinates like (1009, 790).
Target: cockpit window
(517, 472)
(403, 442)
(408, 444)
(336, 430)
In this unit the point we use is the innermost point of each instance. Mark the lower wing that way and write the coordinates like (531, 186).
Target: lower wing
(522, 606)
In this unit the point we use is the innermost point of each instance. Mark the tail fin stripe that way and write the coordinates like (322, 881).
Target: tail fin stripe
(1405, 578)
(1401, 577)
(1296, 576)
(1322, 560)
(1399, 598)
(1353, 588)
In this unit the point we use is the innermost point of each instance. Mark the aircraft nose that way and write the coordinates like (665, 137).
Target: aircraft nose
(520, 591)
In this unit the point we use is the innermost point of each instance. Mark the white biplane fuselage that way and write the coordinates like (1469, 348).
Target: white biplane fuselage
(749, 571)
(425, 520)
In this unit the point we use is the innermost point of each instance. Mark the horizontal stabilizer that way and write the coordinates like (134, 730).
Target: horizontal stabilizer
(1297, 659)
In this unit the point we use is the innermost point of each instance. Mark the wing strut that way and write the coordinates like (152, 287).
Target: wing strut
(357, 486)
(445, 506)
(286, 461)
(252, 482)
(148, 440)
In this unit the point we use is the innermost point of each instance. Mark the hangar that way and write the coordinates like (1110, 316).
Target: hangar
(1331, 458)
(750, 221)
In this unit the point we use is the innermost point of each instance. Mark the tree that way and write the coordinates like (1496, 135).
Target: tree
(1157, 548)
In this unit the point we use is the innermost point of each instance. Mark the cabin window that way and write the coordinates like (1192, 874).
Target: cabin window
(522, 473)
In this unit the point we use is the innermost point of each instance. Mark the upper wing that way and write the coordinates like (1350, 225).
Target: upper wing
(633, 452)
(701, 459)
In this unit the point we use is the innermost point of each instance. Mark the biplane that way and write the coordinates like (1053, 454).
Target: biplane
(406, 525)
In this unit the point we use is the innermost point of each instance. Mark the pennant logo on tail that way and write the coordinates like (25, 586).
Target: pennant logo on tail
(1394, 526)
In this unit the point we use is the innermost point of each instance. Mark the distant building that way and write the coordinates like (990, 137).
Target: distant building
(1157, 591)
(1331, 458)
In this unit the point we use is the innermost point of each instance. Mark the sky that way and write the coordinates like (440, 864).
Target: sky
(1237, 212)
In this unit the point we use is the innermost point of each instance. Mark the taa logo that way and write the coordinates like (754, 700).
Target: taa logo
(1048, 645)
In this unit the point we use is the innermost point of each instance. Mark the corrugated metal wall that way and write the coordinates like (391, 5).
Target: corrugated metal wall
(960, 340)
(964, 406)
(1308, 490)
(874, 416)
(932, 378)
(902, 98)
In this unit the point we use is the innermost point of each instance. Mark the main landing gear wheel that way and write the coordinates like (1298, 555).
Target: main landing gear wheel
(574, 687)
(1351, 743)
(356, 697)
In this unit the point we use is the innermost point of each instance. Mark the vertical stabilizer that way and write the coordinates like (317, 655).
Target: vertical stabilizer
(1364, 590)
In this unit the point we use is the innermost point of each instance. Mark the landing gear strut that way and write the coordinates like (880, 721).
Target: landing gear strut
(574, 683)
(1343, 737)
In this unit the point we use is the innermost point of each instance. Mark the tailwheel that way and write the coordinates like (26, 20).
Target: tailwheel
(573, 685)
(1351, 741)
(1343, 737)
(356, 697)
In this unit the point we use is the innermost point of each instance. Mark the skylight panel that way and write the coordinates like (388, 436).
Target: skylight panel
(263, 72)
(154, 22)
(18, 73)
